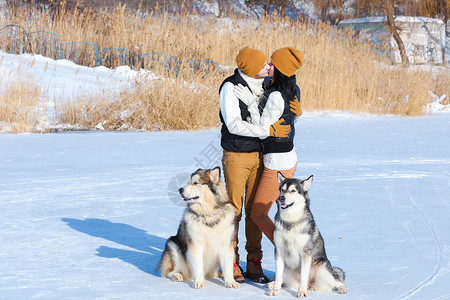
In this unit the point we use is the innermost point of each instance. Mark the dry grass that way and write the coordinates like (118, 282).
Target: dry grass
(20, 104)
(173, 105)
(339, 73)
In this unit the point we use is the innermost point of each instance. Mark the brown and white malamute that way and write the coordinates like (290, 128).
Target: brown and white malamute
(300, 257)
(206, 234)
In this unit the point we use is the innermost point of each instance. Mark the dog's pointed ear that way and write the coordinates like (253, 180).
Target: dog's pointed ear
(214, 174)
(306, 184)
(281, 178)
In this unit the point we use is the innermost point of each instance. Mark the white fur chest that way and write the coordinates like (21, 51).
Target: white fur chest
(210, 230)
(291, 243)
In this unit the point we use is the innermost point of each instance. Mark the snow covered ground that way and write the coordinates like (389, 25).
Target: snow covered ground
(85, 215)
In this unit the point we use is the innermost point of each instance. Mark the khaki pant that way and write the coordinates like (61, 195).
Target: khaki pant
(242, 172)
(266, 195)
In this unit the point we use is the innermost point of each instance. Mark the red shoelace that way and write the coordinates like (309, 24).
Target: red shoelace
(236, 267)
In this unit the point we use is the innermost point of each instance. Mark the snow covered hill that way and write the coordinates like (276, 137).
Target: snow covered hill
(62, 79)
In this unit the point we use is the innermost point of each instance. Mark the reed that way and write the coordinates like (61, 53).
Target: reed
(21, 107)
(339, 71)
(174, 105)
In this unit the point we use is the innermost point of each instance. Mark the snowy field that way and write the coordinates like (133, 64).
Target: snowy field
(85, 215)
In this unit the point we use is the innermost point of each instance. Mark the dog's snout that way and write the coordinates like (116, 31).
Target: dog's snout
(282, 198)
(180, 190)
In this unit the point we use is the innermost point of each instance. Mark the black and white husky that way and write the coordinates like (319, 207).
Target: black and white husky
(206, 234)
(299, 246)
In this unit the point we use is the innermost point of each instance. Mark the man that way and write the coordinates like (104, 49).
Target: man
(242, 159)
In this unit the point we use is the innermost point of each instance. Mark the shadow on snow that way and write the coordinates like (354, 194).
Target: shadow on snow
(149, 246)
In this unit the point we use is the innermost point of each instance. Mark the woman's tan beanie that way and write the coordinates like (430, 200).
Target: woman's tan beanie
(287, 60)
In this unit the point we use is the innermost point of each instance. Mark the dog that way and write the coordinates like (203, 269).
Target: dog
(299, 246)
(206, 234)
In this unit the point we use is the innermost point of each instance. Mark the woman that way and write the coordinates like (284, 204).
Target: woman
(278, 153)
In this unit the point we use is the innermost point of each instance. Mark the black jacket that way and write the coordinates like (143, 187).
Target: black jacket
(233, 142)
(277, 144)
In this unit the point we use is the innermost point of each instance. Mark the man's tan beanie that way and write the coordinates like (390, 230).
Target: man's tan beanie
(287, 60)
(250, 61)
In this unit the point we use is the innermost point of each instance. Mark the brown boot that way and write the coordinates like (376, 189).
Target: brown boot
(254, 271)
(237, 273)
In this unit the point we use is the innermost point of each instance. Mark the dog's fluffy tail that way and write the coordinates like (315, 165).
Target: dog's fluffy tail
(166, 264)
(338, 274)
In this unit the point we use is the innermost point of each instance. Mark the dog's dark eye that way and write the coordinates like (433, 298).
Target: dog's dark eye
(195, 183)
(293, 191)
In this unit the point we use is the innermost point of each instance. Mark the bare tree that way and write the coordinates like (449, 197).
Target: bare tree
(446, 10)
(270, 6)
(389, 8)
(222, 8)
(331, 11)
(282, 6)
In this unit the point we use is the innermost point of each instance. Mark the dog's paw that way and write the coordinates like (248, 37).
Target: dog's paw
(232, 284)
(301, 294)
(342, 290)
(274, 292)
(177, 277)
(199, 284)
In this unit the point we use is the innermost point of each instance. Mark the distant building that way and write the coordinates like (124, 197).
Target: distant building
(424, 38)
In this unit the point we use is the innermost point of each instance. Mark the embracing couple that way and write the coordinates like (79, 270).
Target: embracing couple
(257, 135)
